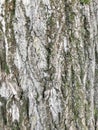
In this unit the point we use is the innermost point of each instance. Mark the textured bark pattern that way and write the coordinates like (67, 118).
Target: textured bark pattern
(48, 65)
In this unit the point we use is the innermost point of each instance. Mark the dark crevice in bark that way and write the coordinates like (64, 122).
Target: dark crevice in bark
(15, 125)
(3, 63)
(3, 110)
(96, 89)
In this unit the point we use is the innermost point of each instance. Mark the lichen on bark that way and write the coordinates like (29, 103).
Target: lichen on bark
(48, 59)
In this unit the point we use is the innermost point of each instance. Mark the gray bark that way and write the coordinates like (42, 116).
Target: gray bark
(48, 65)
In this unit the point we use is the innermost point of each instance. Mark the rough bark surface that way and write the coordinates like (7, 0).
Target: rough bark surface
(48, 64)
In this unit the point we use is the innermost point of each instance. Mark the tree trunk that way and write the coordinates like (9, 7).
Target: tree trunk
(48, 65)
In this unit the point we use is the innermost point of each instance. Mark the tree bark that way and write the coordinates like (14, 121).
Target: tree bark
(48, 65)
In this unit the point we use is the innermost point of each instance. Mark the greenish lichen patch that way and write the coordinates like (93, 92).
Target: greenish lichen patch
(6, 68)
(9, 33)
(84, 1)
(96, 113)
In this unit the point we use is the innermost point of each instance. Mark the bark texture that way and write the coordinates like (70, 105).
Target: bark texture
(48, 64)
